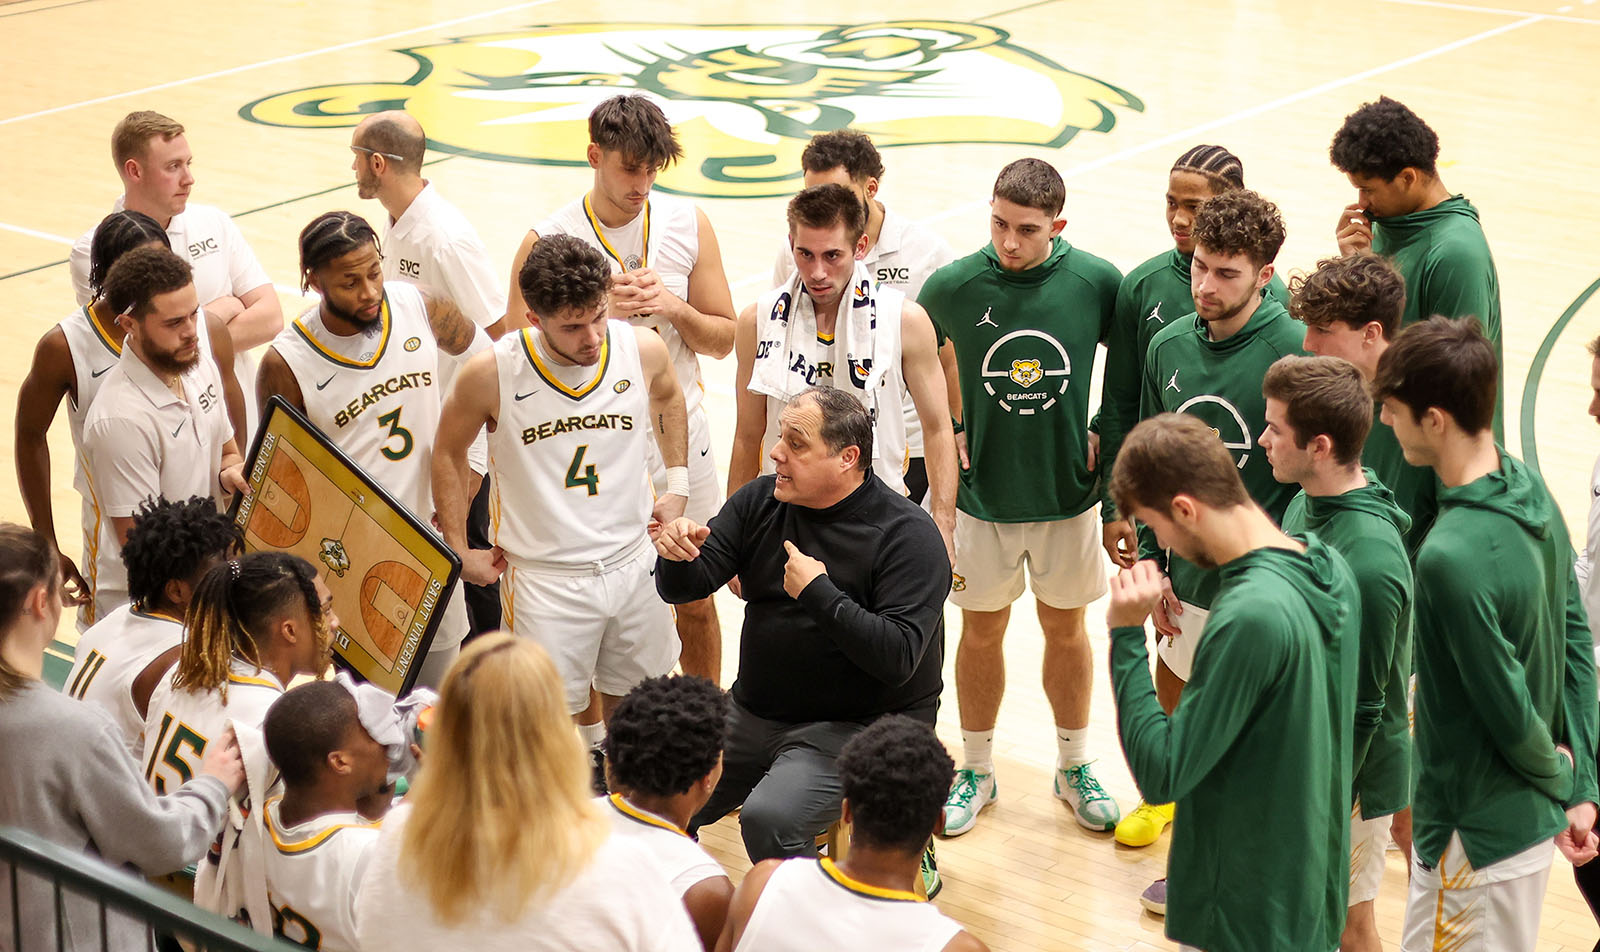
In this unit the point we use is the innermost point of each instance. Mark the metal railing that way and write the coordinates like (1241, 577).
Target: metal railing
(45, 885)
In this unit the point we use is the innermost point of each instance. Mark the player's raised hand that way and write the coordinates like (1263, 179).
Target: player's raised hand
(483, 566)
(1354, 231)
(1578, 842)
(639, 293)
(1120, 542)
(679, 540)
(224, 761)
(1167, 611)
(1135, 593)
(74, 590)
(800, 570)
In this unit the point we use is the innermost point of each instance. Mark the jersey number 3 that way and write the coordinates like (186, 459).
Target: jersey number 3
(392, 421)
(590, 478)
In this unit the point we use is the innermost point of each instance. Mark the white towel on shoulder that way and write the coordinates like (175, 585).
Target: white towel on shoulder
(786, 329)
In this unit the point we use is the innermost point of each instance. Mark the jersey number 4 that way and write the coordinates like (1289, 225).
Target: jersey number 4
(589, 479)
(392, 421)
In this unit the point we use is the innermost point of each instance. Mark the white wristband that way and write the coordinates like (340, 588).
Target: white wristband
(678, 481)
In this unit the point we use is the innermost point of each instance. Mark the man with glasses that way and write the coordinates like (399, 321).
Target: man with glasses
(427, 241)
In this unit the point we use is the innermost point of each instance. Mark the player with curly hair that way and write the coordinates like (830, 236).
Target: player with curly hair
(1404, 212)
(894, 774)
(171, 547)
(1210, 364)
(664, 753)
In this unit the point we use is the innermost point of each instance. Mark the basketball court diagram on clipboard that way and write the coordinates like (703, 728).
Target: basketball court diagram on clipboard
(389, 572)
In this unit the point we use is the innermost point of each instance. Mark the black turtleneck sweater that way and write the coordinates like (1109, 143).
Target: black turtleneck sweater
(865, 639)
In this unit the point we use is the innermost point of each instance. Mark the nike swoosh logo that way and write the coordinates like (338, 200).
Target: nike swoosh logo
(652, 571)
(179, 429)
(100, 371)
(705, 451)
(524, 396)
(323, 385)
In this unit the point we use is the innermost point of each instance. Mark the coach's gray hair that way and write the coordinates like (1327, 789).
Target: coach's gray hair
(845, 422)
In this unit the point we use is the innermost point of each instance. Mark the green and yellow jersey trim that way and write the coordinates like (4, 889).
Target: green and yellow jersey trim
(254, 682)
(634, 813)
(550, 378)
(296, 847)
(115, 346)
(864, 889)
(594, 223)
(377, 355)
(826, 339)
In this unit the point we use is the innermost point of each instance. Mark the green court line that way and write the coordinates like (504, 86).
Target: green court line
(1530, 387)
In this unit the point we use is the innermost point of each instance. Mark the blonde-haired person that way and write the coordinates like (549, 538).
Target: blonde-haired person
(254, 624)
(68, 775)
(501, 844)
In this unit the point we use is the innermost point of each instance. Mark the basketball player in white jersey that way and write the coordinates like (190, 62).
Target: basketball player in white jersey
(153, 159)
(668, 276)
(71, 362)
(832, 325)
(901, 253)
(428, 242)
(256, 623)
(364, 366)
(570, 404)
(158, 428)
(895, 774)
(171, 547)
(664, 756)
(333, 773)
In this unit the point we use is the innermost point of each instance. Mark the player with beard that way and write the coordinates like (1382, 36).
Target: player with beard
(364, 366)
(1209, 364)
(162, 431)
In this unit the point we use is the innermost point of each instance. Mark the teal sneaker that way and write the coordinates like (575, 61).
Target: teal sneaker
(1092, 806)
(931, 883)
(971, 792)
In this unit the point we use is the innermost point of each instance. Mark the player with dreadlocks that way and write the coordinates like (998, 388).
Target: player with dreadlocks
(254, 624)
(71, 361)
(364, 365)
(170, 549)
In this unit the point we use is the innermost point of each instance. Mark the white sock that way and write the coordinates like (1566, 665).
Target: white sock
(1072, 747)
(977, 749)
(592, 735)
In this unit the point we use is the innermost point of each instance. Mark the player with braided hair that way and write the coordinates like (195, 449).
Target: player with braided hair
(72, 361)
(664, 751)
(255, 623)
(170, 549)
(366, 365)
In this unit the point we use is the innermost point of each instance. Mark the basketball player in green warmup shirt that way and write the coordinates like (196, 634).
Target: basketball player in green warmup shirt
(1505, 720)
(1265, 724)
(1318, 414)
(1403, 212)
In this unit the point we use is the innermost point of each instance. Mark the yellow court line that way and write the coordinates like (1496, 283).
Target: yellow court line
(275, 61)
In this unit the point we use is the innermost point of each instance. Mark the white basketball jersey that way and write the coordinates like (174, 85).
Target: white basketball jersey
(93, 355)
(181, 722)
(666, 237)
(809, 904)
(377, 396)
(111, 654)
(313, 871)
(682, 861)
(570, 480)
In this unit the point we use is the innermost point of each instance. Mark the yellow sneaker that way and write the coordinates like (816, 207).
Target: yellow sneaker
(1144, 825)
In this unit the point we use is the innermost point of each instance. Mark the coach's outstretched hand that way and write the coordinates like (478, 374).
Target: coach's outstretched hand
(1135, 593)
(679, 540)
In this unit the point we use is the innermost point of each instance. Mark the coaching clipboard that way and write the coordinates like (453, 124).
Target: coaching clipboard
(390, 573)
